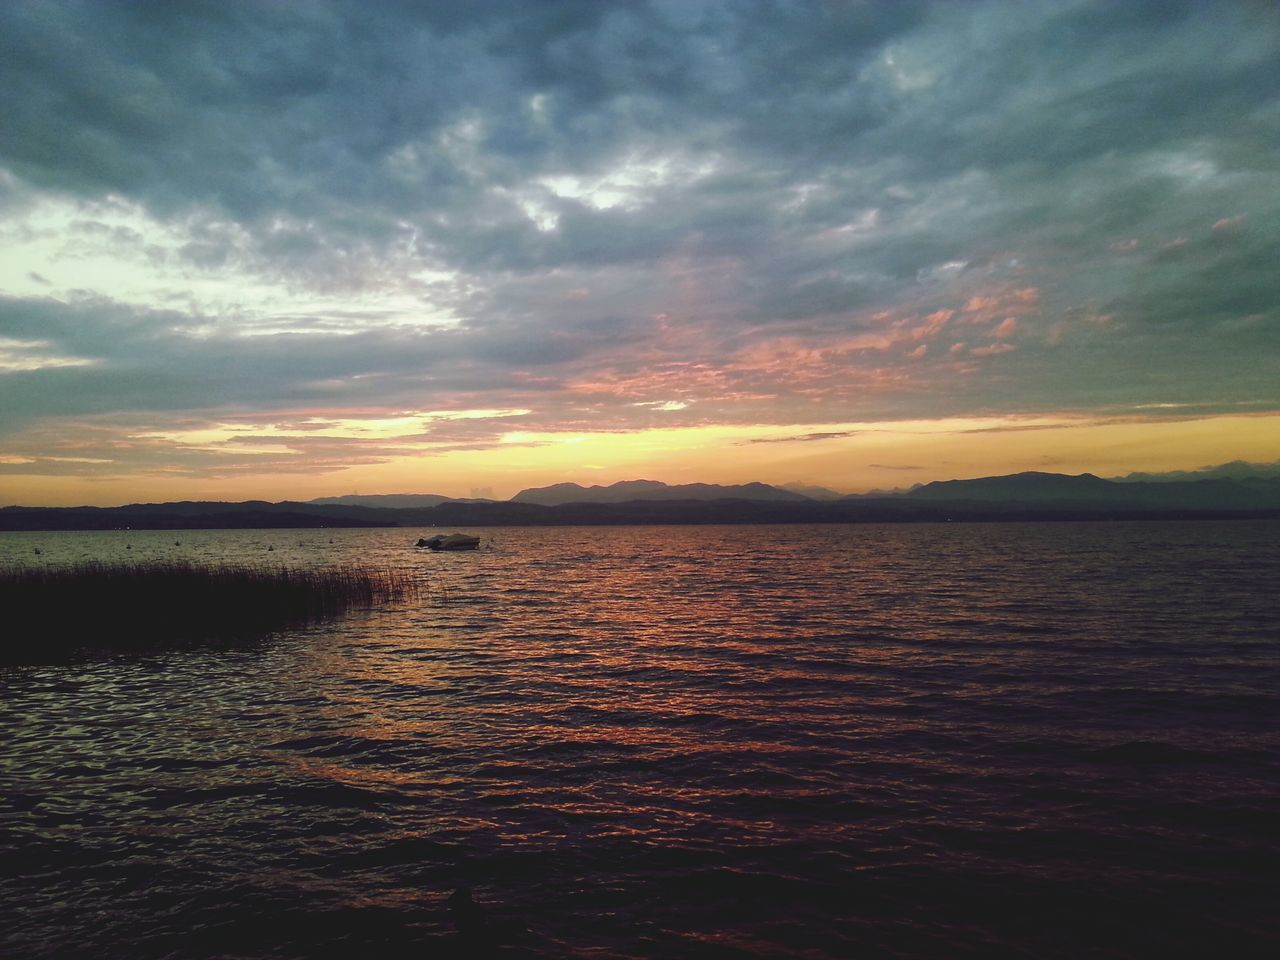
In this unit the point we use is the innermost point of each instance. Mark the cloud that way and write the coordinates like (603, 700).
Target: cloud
(663, 405)
(992, 350)
(609, 215)
(807, 437)
(1229, 223)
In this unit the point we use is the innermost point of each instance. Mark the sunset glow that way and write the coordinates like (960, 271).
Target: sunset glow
(825, 249)
(844, 456)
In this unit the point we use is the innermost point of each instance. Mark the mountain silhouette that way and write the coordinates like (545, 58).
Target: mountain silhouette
(625, 491)
(1218, 493)
(1023, 496)
(391, 501)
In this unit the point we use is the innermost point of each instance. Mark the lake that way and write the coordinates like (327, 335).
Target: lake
(1032, 740)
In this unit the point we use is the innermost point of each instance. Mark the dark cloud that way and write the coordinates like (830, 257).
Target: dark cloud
(752, 209)
(806, 437)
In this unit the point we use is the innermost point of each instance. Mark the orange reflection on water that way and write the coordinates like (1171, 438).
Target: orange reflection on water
(588, 677)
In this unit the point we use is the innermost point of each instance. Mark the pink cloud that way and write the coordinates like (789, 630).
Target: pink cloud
(987, 306)
(993, 350)
(931, 325)
(919, 352)
(1229, 223)
(1009, 325)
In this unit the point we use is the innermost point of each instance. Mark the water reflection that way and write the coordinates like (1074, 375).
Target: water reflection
(668, 741)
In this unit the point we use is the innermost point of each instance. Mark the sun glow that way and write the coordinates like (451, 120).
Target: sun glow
(847, 456)
(211, 267)
(390, 454)
(335, 428)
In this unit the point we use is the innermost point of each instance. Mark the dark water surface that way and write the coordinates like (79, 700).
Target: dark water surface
(1040, 740)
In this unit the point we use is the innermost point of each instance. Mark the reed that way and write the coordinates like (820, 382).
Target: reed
(59, 612)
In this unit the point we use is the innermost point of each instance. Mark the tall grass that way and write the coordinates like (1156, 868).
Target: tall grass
(58, 612)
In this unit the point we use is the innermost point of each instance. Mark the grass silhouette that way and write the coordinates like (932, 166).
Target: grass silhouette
(58, 613)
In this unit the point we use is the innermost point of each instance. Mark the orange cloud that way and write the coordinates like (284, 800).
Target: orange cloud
(1006, 328)
(987, 306)
(932, 324)
(993, 350)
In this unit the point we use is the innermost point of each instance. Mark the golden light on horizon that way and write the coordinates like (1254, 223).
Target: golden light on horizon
(846, 456)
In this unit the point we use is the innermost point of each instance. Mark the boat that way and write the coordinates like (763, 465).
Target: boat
(452, 541)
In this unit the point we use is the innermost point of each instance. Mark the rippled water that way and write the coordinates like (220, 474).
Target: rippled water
(932, 740)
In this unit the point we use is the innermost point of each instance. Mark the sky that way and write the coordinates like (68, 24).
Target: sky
(295, 249)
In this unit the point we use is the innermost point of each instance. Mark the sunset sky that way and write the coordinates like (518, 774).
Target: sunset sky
(290, 249)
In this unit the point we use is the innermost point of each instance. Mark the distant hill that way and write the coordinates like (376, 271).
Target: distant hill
(1023, 496)
(389, 501)
(192, 515)
(1046, 489)
(1235, 470)
(1031, 487)
(627, 490)
(811, 491)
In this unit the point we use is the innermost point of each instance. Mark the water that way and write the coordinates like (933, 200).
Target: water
(1039, 740)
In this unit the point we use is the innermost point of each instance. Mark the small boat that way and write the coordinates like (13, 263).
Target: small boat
(454, 541)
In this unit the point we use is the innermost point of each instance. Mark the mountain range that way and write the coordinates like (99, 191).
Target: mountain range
(1218, 493)
(392, 501)
(627, 490)
(1021, 496)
